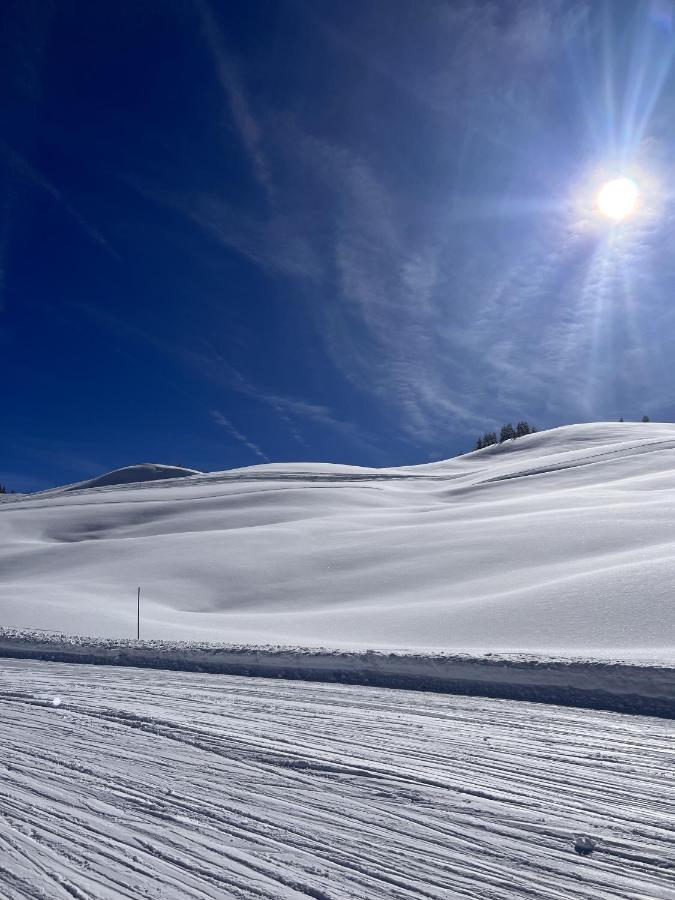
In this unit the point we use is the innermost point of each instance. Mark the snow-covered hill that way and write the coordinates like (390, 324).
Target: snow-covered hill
(561, 542)
(135, 474)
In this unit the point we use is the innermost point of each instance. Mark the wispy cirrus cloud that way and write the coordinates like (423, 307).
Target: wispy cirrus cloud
(275, 243)
(291, 410)
(381, 331)
(335, 224)
(211, 365)
(232, 86)
(353, 233)
(234, 432)
(20, 168)
(345, 237)
(443, 296)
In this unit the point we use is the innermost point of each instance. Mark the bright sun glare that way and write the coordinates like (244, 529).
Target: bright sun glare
(618, 198)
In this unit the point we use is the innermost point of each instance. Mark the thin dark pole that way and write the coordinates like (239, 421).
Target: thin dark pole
(138, 615)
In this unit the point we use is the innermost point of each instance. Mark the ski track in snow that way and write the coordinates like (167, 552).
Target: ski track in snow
(152, 784)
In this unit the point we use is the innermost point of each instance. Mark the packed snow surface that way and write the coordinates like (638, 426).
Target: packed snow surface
(558, 542)
(120, 783)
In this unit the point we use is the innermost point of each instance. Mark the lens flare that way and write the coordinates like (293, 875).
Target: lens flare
(618, 198)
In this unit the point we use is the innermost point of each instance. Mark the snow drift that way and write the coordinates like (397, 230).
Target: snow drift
(559, 542)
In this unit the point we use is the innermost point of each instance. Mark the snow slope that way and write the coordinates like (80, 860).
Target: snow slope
(560, 542)
(189, 787)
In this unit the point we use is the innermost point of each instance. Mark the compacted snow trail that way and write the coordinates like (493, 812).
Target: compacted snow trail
(136, 783)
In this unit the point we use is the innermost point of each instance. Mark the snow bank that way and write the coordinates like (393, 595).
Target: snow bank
(646, 690)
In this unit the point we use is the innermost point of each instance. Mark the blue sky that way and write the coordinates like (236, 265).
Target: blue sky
(358, 231)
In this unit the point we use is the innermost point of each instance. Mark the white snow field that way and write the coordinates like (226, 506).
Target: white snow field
(122, 783)
(561, 542)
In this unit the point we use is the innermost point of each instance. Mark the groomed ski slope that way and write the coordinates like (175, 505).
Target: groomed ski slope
(562, 542)
(188, 787)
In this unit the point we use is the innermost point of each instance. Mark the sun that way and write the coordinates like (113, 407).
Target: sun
(618, 198)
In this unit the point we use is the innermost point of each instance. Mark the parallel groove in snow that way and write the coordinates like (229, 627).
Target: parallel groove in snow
(174, 785)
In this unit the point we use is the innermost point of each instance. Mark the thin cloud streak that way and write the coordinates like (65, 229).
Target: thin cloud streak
(233, 89)
(232, 430)
(289, 409)
(211, 365)
(21, 168)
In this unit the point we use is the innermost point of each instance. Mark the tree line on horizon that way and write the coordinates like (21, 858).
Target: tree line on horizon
(509, 433)
(506, 433)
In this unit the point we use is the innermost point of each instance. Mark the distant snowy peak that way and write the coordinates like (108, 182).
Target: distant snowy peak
(135, 474)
